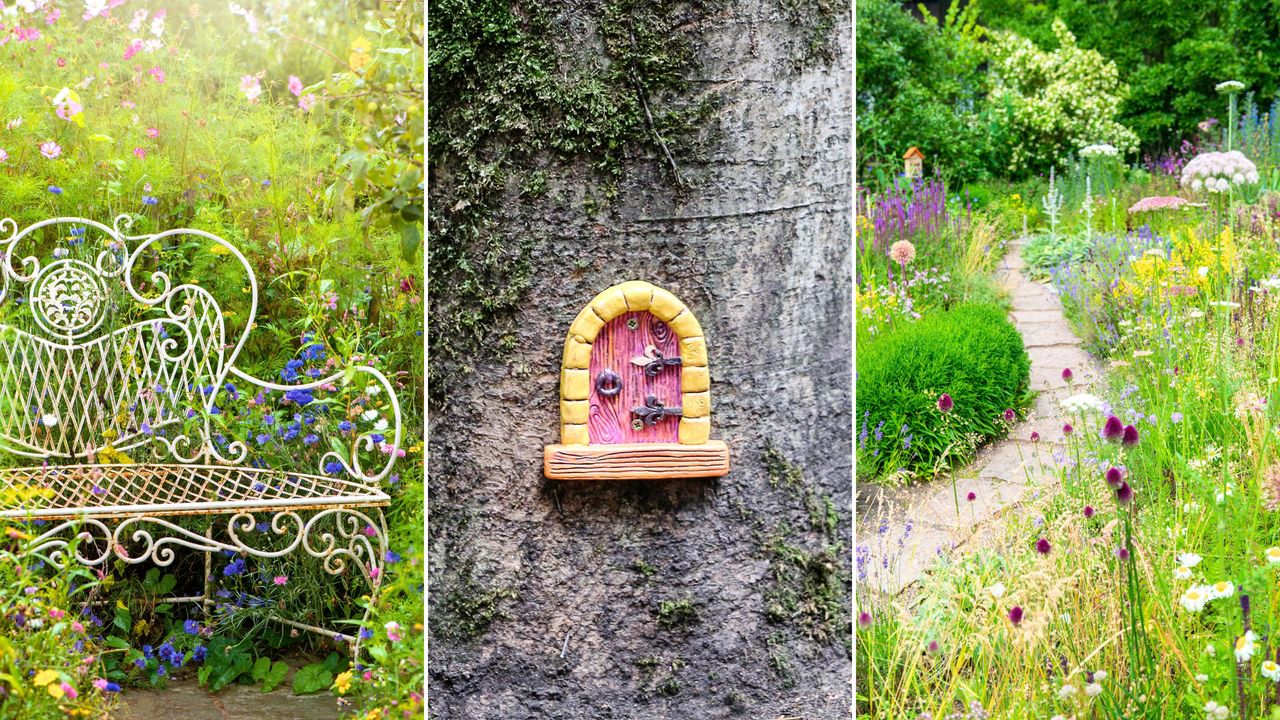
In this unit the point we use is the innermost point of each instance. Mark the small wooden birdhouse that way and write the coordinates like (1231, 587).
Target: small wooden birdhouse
(914, 163)
(635, 400)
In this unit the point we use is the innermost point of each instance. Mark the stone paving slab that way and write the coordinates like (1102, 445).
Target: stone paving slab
(990, 499)
(1047, 334)
(185, 699)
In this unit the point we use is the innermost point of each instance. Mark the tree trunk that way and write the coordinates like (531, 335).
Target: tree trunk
(671, 599)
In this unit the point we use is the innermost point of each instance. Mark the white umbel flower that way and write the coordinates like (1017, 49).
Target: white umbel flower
(1083, 403)
(1229, 86)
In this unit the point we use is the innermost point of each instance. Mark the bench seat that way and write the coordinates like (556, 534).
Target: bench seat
(109, 491)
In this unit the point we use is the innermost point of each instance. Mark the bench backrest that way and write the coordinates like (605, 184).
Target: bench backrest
(99, 346)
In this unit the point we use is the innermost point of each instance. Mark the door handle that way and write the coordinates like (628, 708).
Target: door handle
(653, 411)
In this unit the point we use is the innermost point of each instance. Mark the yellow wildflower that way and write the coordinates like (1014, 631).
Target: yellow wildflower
(359, 56)
(44, 677)
(342, 683)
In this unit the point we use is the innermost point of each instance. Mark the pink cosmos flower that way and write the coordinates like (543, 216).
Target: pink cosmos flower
(3, 155)
(393, 631)
(295, 85)
(133, 49)
(128, 104)
(50, 149)
(306, 102)
(251, 87)
(158, 74)
(52, 17)
(68, 110)
(140, 153)
(62, 62)
(153, 132)
(77, 626)
(100, 683)
(69, 691)
(281, 579)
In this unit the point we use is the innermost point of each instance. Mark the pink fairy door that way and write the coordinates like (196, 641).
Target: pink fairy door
(635, 382)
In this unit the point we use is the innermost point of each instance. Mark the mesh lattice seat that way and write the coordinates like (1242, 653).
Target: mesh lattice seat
(126, 490)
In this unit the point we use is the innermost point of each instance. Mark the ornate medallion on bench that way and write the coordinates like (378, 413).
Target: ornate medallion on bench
(635, 400)
(104, 356)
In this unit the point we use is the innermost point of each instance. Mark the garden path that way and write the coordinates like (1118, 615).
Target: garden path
(902, 532)
(185, 699)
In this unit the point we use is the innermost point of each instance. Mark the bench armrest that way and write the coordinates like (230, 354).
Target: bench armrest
(393, 433)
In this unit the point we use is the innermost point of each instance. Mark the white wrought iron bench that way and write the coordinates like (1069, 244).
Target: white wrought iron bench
(104, 356)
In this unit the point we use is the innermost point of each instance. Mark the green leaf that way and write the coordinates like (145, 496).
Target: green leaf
(240, 664)
(261, 667)
(274, 676)
(117, 642)
(377, 652)
(410, 241)
(312, 678)
(99, 137)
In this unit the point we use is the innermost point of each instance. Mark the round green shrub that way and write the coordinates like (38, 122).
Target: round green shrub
(972, 353)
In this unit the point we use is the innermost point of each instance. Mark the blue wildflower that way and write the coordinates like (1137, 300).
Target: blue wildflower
(55, 189)
(392, 557)
(191, 627)
(149, 200)
(333, 466)
(235, 568)
(311, 439)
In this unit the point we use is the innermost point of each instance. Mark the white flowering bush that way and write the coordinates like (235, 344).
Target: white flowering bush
(1055, 102)
(1219, 172)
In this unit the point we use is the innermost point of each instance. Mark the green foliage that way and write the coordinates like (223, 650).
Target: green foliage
(972, 353)
(513, 95)
(1170, 53)
(469, 607)
(922, 84)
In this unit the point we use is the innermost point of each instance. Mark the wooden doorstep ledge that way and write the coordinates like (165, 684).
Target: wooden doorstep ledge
(636, 461)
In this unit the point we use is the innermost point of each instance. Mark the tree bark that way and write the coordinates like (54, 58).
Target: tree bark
(758, 247)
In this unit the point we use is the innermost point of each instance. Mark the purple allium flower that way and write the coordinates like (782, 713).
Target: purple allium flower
(933, 647)
(864, 620)
(1035, 436)
(1130, 437)
(1088, 511)
(1043, 547)
(1015, 614)
(944, 403)
(1067, 429)
(1124, 494)
(1010, 415)
(1122, 553)
(1067, 374)
(1114, 476)
(971, 496)
(1113, 430)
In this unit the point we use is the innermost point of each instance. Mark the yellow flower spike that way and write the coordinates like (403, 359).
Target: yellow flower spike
(44, 677)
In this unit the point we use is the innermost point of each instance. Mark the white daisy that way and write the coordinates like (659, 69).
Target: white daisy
(1222, 589)
(1182, 572)
(1271, 671)
(1273, 555)
(1245, 647)
(1194, 598)
(1189, 559)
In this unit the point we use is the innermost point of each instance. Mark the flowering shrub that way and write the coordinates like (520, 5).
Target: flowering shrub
(1054, 102)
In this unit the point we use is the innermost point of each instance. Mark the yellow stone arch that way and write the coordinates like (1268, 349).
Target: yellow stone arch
(575, 374)
(694, 455)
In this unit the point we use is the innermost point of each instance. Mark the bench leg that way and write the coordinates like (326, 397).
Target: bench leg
(207, 604)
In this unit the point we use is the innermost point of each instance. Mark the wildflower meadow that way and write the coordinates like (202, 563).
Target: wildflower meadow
(293, 130)
(1086, 521)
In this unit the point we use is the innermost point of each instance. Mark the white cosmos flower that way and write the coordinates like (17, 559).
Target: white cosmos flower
(1245, 647)
(1273, 555)
(370, 415)
(49, 420)
(1222, 589)
(997, 590)
(1182, 572)
(1194, 598)
(1189, 559)
(380, 425)
(1271, 671)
